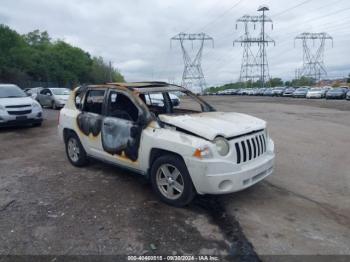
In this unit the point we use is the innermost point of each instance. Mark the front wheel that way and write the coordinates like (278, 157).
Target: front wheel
(171, 181)
(75, 152)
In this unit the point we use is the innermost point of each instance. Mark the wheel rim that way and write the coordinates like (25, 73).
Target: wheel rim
(73, 149)
(170, 181)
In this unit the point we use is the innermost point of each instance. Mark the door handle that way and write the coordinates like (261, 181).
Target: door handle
(106, 124)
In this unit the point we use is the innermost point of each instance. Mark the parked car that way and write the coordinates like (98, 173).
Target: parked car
(268, 92)
(278, 91)
(300, 92)
(33, 92)
(348, 95)
(260, 91)
(53, 97)
(316, 92)
(158, 99)
(288, 92)
(16, 108)
(184, 151)
(336, 93)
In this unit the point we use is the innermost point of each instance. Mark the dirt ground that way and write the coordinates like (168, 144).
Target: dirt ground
(48, 207)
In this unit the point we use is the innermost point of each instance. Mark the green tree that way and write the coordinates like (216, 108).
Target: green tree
(35, 57)
(276, 82)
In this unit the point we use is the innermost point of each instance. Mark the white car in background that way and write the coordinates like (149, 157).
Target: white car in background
(17, 108)
(316, 92)
(33, 92)
(54, 97)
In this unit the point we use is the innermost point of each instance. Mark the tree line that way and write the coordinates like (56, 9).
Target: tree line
(35, 57)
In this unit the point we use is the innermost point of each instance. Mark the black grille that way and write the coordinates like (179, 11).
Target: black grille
(250, 148)
(17, 113)
(18, 106)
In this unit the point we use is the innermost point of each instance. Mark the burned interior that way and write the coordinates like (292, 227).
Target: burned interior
(119, 113)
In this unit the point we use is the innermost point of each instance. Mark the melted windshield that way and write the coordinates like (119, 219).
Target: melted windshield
(175, 102)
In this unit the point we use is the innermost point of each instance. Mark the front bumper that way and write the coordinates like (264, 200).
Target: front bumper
(313, 96)
(335, 96)
(220, 177)
(7, 120)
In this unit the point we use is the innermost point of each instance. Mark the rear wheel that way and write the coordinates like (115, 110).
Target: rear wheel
(171, 181)
(75, 152)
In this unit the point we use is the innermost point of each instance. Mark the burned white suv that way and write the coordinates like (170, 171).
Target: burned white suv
(185, 149)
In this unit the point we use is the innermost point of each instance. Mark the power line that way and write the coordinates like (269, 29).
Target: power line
(291, 8)
(221, 15)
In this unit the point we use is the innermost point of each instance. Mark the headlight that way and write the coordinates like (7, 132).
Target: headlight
(2, 108)
(222, 146)
(36, 105)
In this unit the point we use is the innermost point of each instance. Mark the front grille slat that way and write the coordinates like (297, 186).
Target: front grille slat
(264, 140)
(244, 151)
(249, 150)
(250, 147)
(22, 112)
(238, 153)
(254, 147)
(257, 142)
(17, 106)
(262, 145)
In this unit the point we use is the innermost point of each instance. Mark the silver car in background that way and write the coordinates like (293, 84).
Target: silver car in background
(316, 92)
(54, 97)
(33, 92)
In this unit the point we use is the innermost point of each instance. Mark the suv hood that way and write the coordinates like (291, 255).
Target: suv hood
(212, 124)
(16, 101)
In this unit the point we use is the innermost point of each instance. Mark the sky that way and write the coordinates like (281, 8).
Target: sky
(135, 35)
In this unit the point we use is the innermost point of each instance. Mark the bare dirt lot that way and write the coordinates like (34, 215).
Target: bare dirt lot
(48, 206)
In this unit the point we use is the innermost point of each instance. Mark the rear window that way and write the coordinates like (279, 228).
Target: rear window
(94, 101)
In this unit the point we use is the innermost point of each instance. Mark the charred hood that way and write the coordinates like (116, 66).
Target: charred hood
(212, 124)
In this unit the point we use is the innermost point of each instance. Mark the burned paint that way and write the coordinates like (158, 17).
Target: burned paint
(119, 135)
(89, 123)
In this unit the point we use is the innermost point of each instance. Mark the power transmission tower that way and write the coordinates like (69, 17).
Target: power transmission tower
(255, 67)
(193, 77)
(264, 41)
(313, 62)
(249, 73)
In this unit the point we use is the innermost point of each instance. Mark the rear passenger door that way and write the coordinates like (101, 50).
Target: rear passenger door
(89, 121)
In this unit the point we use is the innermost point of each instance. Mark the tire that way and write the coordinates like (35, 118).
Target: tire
(75, 152)
(176, 179)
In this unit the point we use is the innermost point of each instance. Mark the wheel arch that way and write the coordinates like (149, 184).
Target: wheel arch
(157, 152)
(66, 132)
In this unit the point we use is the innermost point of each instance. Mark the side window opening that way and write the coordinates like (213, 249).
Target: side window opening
(94, 101)
(120, 106)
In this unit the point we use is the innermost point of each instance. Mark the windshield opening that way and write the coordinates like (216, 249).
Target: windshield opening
(60, 91)
(11, 91)
(174, 103)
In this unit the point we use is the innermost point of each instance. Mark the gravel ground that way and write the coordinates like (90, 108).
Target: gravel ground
(48, 207)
